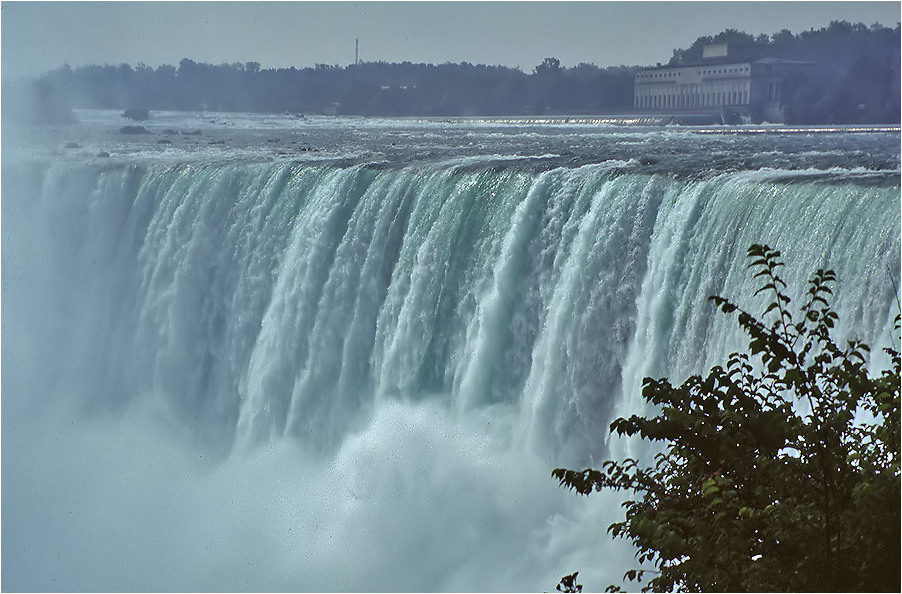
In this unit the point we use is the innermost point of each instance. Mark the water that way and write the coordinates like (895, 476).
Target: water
(346, 354)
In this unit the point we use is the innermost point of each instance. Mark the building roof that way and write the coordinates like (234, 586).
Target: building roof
(722, 54)
(726, 62)
(779, 61)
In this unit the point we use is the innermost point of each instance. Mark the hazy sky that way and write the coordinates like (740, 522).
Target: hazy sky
(39, 36)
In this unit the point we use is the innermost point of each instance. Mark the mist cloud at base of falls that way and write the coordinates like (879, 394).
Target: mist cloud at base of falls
(395, 358)
(414, 502)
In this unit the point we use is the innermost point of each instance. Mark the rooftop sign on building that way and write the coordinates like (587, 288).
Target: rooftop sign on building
(717, 50)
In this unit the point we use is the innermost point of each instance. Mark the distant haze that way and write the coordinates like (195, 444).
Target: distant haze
(41, 36)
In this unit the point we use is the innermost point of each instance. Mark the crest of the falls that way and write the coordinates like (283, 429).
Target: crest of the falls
(286, 300)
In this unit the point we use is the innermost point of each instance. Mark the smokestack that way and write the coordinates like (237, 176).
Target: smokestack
(356, 48)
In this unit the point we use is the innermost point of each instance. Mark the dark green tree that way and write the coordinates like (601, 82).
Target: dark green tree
(779, 472)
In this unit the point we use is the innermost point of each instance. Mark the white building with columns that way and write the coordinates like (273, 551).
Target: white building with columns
(751, 90)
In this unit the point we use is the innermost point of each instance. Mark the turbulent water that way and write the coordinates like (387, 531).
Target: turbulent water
(329, 354)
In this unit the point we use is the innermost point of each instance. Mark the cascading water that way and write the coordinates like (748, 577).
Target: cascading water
(322, 375)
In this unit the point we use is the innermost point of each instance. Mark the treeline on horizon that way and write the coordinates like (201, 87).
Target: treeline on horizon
(855, 79)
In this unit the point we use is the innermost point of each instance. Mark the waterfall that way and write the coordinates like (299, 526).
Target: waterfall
(407, 332)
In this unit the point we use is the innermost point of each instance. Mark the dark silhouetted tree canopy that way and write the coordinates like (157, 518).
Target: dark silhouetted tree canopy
(857, 81)
(856, 75)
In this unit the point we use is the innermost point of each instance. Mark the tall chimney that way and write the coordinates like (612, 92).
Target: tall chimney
(356, 48)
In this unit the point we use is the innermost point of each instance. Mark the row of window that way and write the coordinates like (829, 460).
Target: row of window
(735, 70)
(672, 74)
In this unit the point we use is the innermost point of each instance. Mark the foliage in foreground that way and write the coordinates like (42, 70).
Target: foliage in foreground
(782, 476)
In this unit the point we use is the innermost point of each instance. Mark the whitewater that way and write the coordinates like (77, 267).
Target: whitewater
(271, 353)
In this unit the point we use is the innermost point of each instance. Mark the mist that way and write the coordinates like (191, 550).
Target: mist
(133, 503)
